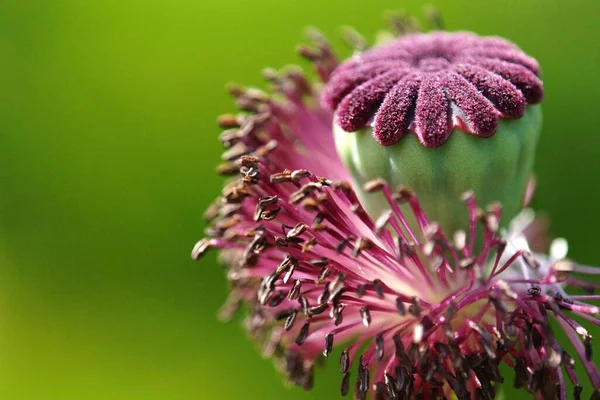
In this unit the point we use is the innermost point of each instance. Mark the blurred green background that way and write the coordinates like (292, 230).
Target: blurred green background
(108, 144)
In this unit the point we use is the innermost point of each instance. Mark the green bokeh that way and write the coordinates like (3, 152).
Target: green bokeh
(108, 147)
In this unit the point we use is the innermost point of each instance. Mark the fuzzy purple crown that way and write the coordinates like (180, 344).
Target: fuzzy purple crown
(430, 83)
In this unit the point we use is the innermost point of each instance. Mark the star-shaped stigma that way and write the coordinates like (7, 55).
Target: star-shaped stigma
(431, 83)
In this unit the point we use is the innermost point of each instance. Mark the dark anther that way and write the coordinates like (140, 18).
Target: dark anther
(322, 276)
(527, 336)
(587, 343)
(328, 344)
(363, 377)
(295, 290)
(415, 307)
(287, 263)
(390, 384)
(281, 177)
(400, 352)
(289, 321)
(359, 246)
(366, 316)
(486, 340)
(304, 191)
(342, 245)
(409, 387)
(577, 389)
(522, 375)
(344, 361)
(250, 161)
(200, 249)
(288, 274)
(297, 230)
(337, 315)
(402, 379)
(566, 360)
(300, 174)
(534, 291)
(361, 290)
(284, 314)
(537, 338)
(324, 296)
(276, 299)
(345, 386)
(378, 288)
(319, 218)
(336, 286)
(380, 391)
(427, 323)
(303, 334)
(545, 384)
(316, 310)
(430, 371)
(459, 386)
(442, 348)
(379, 347)
(266, 289)
(267, 201)
(498, 304)
(413, 354)
(491, 367)
(304, 304)
(400, 306)
(487, 387)
(319, 262)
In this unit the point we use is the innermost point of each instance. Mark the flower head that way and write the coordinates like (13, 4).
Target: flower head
(421, 309)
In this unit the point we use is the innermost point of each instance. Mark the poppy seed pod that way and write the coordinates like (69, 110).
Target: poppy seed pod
(441, 113)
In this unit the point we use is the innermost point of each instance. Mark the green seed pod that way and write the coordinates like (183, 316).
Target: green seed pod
(440, 113)
(496, 169)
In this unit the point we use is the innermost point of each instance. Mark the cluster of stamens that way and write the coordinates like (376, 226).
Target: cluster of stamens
(421, 313)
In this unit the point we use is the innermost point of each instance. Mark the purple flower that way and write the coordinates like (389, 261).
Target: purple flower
(421, 312)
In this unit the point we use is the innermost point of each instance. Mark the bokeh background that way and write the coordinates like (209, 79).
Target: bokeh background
(108, 144)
